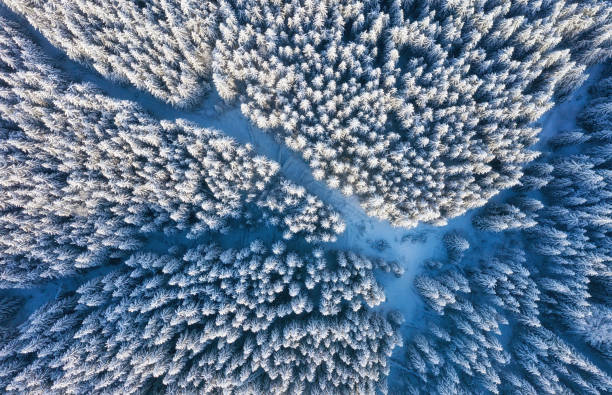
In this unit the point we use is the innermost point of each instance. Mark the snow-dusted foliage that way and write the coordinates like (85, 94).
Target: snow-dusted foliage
(462, 350)
(555, 300)
(569, 229)
(168, 258)
(456, 244)
(422, 109)
(9, 307)
(498, 217)
(161, 46)
(573, 235)
(88, 181)
(250, 320)
(86, 178)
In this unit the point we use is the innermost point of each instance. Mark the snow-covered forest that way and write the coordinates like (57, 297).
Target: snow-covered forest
(306, 196)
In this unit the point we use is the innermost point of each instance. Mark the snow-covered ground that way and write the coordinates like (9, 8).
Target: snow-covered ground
(408, 247)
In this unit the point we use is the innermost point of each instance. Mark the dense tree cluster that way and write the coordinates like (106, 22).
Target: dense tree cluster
(86, 178)
(463, 349)
(555, 301)
(259, 319)
(423, 109)
(571, 230)
(161, 46)
(574, 232)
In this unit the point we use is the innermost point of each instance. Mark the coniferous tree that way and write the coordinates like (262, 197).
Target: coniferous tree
(421, 109)
(237, 320)
(162, 46)
(87, 179)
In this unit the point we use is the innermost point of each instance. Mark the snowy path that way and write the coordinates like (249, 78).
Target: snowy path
(410, 248)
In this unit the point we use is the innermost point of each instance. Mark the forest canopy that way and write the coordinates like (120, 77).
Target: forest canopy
(143, 250)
